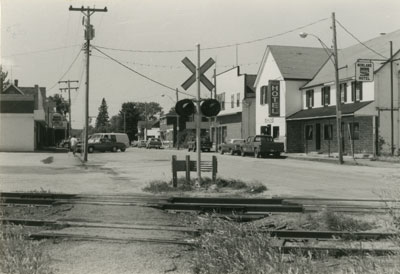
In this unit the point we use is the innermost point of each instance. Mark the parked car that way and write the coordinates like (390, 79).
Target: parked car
(232, 147)
(153, 143)
(65, 143)
(261, 146)
(108, 142)
(142, 143)
(206, 144)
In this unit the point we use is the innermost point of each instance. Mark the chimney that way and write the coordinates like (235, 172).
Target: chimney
(16, 82)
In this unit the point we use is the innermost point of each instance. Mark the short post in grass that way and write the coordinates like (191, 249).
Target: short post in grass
(187, 169)
(214, 168)
(174, 172)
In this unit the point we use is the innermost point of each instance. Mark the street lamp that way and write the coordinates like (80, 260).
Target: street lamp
(338, 97)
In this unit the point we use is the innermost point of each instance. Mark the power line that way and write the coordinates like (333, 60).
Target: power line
(216, 47)
(358, 40)
(138, 73)
(39, 51)
(70, 66)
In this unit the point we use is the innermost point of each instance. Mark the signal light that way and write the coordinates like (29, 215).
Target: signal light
(185, 107)
(210, 107)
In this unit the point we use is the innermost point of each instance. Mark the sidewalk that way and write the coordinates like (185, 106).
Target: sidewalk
(359, 159)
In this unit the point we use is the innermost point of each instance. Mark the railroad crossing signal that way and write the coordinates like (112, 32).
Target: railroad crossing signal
(207, 83)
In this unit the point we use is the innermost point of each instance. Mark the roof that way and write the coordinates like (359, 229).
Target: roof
(323, 112)
(348, 56)
(250, 79)
(295, 63)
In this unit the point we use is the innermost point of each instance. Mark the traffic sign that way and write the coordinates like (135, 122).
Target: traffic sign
(207, 83)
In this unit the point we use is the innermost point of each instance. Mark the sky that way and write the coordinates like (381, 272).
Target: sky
(41, 41)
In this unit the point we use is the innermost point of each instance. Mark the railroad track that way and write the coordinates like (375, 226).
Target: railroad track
(241, 209)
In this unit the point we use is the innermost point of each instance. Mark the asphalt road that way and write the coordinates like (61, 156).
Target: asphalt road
(130, 171)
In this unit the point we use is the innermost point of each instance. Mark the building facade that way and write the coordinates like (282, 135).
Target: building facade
(366, 106)
(236, 119)
(283, 71)
(22, 118)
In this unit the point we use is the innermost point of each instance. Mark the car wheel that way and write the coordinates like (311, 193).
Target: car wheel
(123, 149)
(242, 153)
(189, 149)
(232, 152)
(221, 151)
(277, 154)
(90, 149)
(114, 149)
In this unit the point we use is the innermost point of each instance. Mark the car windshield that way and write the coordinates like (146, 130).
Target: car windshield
(238, 141)
(263, 138)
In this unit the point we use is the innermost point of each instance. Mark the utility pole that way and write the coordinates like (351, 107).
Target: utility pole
(68, 82)
(391, 100)
(338, 97)
(145, 117)
(198, 122)
(177, 123)
(89, 34)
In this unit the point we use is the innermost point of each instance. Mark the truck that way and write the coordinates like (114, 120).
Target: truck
(206, 144)
(261, 146)
(232, 147)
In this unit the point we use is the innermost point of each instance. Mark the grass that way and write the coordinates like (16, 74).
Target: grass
(160, 186)
(228, 247)
(19, 255)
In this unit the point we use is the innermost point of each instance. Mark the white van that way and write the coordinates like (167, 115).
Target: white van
(116, 137)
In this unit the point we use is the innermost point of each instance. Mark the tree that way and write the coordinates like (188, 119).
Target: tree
(149, 111)
(132, 116)
(62, 105)
(3, 82)
(102, 120)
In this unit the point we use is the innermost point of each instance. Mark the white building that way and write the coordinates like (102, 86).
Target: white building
(283, 70)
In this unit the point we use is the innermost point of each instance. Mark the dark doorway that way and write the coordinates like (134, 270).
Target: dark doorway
(318, 136)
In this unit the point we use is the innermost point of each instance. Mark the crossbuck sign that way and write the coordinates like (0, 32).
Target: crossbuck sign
(207, 83)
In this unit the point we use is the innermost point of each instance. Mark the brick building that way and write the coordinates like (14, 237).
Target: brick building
(366, 123)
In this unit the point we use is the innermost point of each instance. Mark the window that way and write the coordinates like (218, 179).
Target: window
(326, 96)
(343, 92)
(310, 98)
(263, 95)
(354, 131)
(275, 132)
(238, 99)
(309, 132)
(356, 91)
(221, 99)
(328, 130)
(232, 101)
(265, 130)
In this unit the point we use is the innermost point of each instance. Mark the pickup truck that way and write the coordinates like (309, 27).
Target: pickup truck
(206, 144)
(232, 147)
(261, 146)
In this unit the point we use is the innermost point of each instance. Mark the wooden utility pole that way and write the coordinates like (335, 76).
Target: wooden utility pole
(89, 35)
(338, 97)
(177, 123)
(68, 82)
(391, 101)
(198, 116)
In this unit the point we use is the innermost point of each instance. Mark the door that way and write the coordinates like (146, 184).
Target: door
(318, 136)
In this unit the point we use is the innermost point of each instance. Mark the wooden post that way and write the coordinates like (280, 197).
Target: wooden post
(174, 172)
(214, 168)
(187, 168)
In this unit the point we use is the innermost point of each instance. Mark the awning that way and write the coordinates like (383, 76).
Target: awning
(327, 112)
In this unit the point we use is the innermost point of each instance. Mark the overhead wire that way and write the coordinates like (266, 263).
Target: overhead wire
(69, 68)
(140, 74)
(216, 47)
(359, 41)
(39, 51)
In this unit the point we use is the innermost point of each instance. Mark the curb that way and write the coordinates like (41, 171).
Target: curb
(351, 162)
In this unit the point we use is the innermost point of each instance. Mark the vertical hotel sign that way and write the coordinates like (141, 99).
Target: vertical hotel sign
(274, 98)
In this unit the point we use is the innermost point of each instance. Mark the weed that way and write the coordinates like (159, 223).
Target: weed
(160, 186)
(19, 255)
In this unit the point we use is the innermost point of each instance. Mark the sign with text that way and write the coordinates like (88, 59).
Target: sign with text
(274, 98)
(364, 71)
